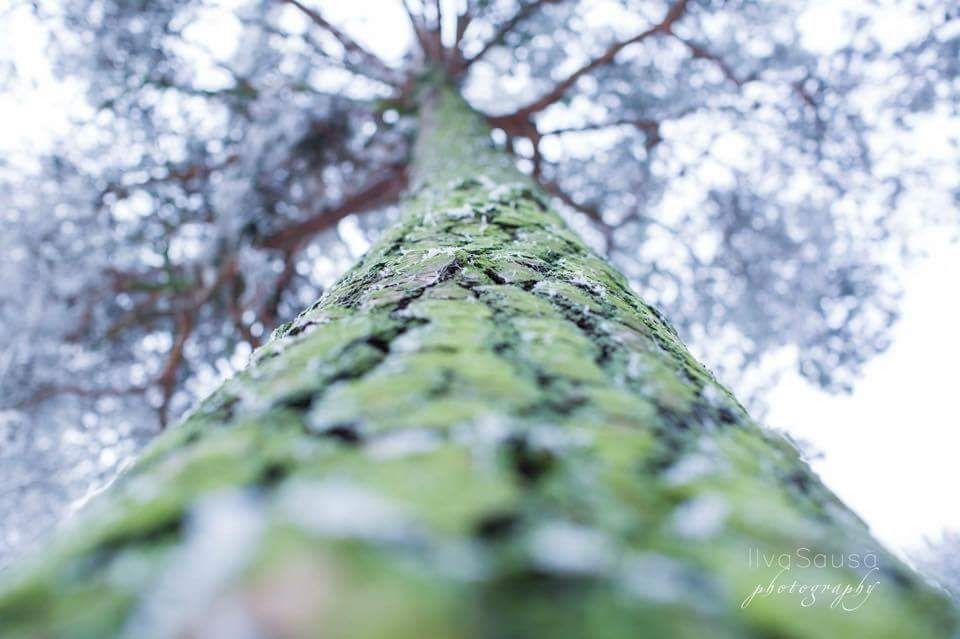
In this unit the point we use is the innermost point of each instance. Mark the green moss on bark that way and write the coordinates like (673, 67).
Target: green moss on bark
(479, 431)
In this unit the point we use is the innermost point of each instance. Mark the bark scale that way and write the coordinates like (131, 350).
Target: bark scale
(480, 431)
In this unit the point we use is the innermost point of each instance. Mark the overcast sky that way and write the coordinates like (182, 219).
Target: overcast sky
(890, 450)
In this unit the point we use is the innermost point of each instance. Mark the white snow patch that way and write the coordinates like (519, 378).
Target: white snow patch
(562, 547)
(341, 509)
(222, 535)
(460, 213)
(689, 469)
(654, 578)
(701, 517)
(403, 443)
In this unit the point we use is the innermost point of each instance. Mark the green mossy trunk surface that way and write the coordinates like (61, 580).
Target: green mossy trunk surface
(480, 431)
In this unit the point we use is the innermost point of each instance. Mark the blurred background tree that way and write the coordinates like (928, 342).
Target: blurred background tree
(230, 159)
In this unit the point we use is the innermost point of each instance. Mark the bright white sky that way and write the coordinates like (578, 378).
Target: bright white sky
(890, 449)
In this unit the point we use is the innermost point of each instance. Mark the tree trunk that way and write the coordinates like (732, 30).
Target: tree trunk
(479, 431)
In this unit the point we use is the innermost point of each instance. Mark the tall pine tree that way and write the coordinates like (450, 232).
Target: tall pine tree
(479, 431)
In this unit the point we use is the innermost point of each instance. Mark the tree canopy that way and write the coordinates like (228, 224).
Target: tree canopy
(229, 159)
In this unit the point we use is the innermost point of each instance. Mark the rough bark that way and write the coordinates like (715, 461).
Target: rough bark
(479, 431)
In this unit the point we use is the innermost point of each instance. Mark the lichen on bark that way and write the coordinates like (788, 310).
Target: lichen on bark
(480, 430)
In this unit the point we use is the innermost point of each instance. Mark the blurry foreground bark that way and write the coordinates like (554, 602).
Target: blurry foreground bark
(480, 431)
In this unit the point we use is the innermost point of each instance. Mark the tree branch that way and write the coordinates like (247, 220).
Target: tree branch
(235, 308)
(422, 32)
(463, 21)
(269, 311)
(650, 127)
(438, 9)
(48, 391)
(168, 377)
(505, 29)
(591, 212)
(174, 173)
(380, 192)
(701, 53)
(317, 47)
(676, 11)
(349, 44)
